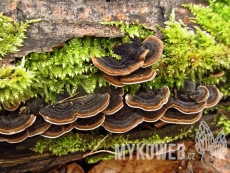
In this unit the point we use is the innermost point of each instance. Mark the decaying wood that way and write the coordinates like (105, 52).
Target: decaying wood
(64, 19)
(15, 157)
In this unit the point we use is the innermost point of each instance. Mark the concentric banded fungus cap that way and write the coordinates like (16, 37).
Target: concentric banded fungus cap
(131, 51)
(155, 46)
(139, 76)
(89, 123)
(113, 80)
(132, 58)
(114, 67)
(188, 107)
(38, 127)
(15, 138)
(149, 101)
(91, 104)
(115, 103)
(201, 95)
(214, 96)
(152, 116)
(62, 113)
(15, 123)
(57, 130)
(11, 106)
(174, 116)
(123, 121)
(217, 74)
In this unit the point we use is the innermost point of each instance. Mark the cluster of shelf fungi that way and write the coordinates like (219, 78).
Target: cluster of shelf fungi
(113, 109)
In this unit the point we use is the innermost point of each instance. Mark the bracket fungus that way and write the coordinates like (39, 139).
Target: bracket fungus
(62, 113)
(38, 127)
(177, 117)
(115, 102)
(57, 130)
(155, 45)
(91, 105)
(153, 116)
(139, 76)
(11, 106)
(113, 80)
(123, 120)
(15, 138)
(114, 67)
(16, 122)
(89, 123)
(149, 101)
(133, 56)
(188, 107)
(201, 95)
(214, 96)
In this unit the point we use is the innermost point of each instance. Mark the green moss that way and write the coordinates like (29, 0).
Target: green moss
(131, 30)
(12, 34)
(189, 54)
(70, 143)
(214, 18)
(15, 84)
(70, 67)
(224, 122)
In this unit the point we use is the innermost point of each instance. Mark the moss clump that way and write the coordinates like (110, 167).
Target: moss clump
(12, 34)
(15, 84)
(70, 67)
(70, 143)
(224, 122)
(214, 18)
(189, 54)
(131, 30)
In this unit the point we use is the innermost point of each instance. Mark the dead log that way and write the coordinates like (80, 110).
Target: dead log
(64, 19)
(19, 157)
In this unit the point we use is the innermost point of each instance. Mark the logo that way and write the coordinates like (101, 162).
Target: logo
(206, 142)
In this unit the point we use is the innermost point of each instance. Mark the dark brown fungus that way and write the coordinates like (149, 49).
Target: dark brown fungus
(115, 103)
(152, 116)
(56, 131)
(131, 51)
(91, 104)
(155, 45)
(175, 116)
(11, 106)
(38, 127)
(113, 80)
(200, 95)
(16, 122)
(89, 123)
(214, 96)
(62, 113)
(217, 74)
(123, 120)
(139, 76)
(15, 138)
(188, 107)
(114, 67)
(132, 58)
(149, 101)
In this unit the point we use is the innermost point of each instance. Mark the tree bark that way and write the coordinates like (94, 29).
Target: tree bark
(64, 19)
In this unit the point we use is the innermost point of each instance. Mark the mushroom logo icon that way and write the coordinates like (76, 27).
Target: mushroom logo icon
(206, 142)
